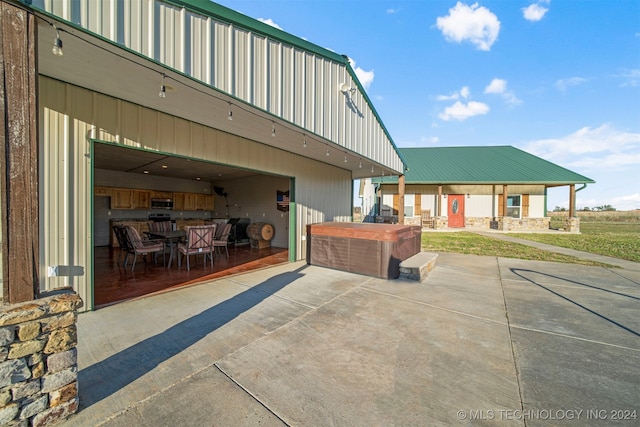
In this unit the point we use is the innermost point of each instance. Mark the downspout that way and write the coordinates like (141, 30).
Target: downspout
(574, 195)
(579, 189)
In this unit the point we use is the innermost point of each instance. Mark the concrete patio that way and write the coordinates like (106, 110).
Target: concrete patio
(483, 341)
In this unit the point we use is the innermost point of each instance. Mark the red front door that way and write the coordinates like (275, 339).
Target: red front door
(456, 210)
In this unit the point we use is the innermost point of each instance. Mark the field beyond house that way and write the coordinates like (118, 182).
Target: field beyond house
(614, 234)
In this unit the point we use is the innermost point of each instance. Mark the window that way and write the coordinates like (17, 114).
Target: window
(409, 203)
(514, 207)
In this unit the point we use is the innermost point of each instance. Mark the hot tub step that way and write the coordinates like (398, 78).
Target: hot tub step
(418, 266)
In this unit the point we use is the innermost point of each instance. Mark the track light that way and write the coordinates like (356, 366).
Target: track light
(163, 88)
(230, 115)
(57, 43)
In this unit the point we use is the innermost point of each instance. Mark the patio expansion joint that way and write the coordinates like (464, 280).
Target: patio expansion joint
(513, 350)
(298, 319)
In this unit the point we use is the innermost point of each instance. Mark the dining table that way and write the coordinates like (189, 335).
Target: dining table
(171, 239)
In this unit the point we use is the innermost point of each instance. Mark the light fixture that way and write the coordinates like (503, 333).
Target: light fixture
(230, 115)
(360, 165)
(345, 158)
(304, 141)
(328, 152)
(165, 167)
(273, 129)
(371, 168)
(346, 89)
(163, 88)
(145, 171)
(57, 43)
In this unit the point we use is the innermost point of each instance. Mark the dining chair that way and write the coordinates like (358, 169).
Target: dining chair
(222, 238)
(199, 241)
(121, 236)
(136, 246)
(159, 226)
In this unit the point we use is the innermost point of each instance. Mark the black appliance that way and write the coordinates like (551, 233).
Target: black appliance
(239, 234)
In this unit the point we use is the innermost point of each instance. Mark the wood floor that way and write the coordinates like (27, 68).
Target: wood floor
(113, 283)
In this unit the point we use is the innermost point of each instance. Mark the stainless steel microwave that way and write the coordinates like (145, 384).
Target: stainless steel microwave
(161, 203)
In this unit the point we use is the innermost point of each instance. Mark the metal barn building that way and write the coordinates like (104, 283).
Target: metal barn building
(99, 93)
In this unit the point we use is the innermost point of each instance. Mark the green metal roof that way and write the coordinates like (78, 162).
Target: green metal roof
(482, 165)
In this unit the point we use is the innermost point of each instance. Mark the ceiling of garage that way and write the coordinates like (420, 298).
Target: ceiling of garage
(129, 160)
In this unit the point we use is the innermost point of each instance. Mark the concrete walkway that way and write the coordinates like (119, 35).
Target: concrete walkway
(484, 341)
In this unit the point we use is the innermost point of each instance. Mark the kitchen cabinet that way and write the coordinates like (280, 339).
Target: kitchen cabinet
(141, 199)
(204, 202)
(121, 198)
(161, 194)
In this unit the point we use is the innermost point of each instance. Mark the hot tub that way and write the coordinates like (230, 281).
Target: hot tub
(363, 248)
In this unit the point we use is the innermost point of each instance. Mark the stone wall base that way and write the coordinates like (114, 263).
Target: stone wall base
(38, 359)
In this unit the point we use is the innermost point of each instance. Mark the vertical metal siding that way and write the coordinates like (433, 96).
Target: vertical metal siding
(300, 87)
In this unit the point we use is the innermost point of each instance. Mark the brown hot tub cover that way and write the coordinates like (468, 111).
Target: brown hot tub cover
(363, 248)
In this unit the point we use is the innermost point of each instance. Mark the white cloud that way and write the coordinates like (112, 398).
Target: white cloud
(591, 149)
(534, 12)
(474, 23)
(499, 87)
(460, 111)
(630, 77)
(269, 21)
(364, 77)
(464, 92)
(392, 11)
(564, 84)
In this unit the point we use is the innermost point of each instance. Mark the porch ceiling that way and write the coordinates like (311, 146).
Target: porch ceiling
(97, 64)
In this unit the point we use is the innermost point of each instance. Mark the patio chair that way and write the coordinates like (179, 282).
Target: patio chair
(121, 236)
(427, 220)
(136, 246)
(222, 238)
(199, 241)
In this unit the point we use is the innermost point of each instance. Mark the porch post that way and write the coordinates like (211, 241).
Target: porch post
(401, 199)
(505, 193)
(18, 154)
(439, 207)
(572, 201)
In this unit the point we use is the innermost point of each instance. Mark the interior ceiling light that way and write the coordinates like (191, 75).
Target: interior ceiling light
(165, 167)
(163, 88)
(57, 43)
(230, 116)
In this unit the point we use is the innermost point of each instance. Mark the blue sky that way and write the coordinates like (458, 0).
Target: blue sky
(557, 78)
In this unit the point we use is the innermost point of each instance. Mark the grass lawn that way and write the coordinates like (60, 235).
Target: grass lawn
(615, 239)
(469, 243)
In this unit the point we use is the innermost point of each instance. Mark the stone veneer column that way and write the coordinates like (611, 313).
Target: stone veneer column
(572, 225)
(38, 359)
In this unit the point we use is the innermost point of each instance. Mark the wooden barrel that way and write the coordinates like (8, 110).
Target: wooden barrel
(260, 231)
